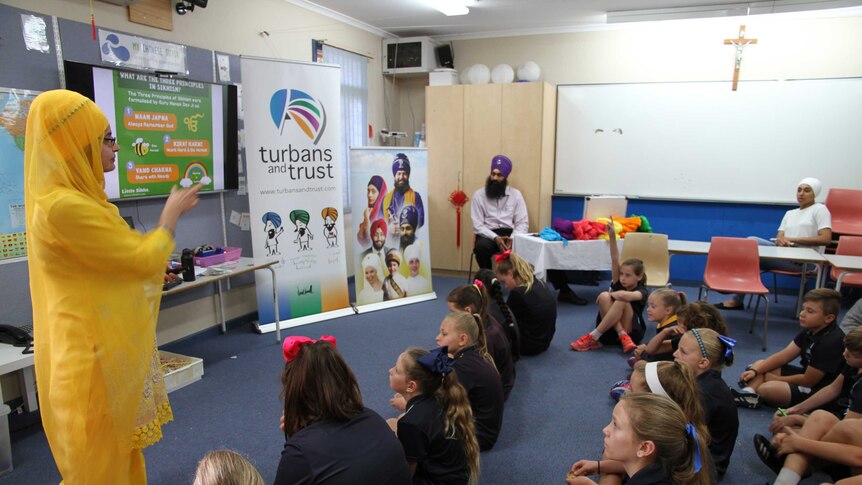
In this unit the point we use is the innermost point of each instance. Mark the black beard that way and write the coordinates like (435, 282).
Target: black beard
(402, 186)
(495, 190)
(407, 240)
(376, 246)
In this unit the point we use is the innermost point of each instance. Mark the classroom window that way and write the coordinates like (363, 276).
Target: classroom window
(354, 104)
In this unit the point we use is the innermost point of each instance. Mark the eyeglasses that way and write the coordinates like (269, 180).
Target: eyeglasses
(111, 141)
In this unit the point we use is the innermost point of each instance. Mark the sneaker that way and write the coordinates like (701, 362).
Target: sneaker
(631, 361)
(627, 343)
(767, 453)
(750, 400)
(585, 343)
(619, 389)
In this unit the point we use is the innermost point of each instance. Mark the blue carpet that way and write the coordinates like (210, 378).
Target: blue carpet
(553, 418)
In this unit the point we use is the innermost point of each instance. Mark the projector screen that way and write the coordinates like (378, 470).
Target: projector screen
(170, 131)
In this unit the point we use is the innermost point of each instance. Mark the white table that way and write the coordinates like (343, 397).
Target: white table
(13, 360)
(238, 267)
(845, 264)
(576, 255)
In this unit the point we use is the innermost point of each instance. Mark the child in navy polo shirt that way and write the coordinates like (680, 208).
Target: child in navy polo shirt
(437, 430)
(818, 346)
(462, 333)
(837, 422)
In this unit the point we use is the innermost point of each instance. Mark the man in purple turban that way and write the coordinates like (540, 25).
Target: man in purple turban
(497, 211)
(408, 221)
(402, 195)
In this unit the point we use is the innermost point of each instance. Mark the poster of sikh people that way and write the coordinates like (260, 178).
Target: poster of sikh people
(390, 223)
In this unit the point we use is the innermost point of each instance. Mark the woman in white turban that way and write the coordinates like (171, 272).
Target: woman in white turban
(372, 285)
(810, 225)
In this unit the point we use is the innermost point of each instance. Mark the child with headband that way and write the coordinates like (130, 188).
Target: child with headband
(532, 303)
(330, 436)
(437, 430)
(500, 311)
(671, 379)
(474, 299)
(698, 314)
(653, 440)
(706, 353)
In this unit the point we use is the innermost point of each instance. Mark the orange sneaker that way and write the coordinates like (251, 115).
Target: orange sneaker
(585, 343)
(627, 343)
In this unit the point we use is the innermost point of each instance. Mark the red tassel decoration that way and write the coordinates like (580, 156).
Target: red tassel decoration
(92, 21)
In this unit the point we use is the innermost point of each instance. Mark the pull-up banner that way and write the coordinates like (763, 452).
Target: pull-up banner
(292, 132)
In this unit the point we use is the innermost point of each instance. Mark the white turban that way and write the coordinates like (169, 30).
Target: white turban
(371, 260)
(411, 252)
(813, 183)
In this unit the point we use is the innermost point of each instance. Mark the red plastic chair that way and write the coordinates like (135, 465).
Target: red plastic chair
(845, 205)
(733, 266)
(847, 246)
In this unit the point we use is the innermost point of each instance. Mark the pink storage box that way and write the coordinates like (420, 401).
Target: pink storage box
(230, 254)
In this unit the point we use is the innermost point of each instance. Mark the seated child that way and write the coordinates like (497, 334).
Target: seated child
(818, 346)
(330, 436)
(532, 303)
(662, 307)
(621, 307)
(464, 336)
(474, 299)
(437, 412)
(706, 353)
(823, 442)
(651, 437)
(671, 379)
(840, 400)
(224, 466)
(395, 285)
(699, 314)
(500, 311)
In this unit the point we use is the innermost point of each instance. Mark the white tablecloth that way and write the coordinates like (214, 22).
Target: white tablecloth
(577, 255)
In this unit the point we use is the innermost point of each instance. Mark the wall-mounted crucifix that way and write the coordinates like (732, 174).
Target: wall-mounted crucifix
(739, 43)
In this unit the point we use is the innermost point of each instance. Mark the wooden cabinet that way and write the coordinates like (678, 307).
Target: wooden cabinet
(466, 126)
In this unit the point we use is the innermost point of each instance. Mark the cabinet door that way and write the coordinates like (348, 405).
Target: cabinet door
(444, 114)
(482, 109)
(522, 130)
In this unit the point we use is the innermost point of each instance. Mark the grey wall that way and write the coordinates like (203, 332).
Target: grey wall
(206, 224)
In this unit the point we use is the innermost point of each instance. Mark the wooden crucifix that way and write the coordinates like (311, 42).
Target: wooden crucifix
(739, 43)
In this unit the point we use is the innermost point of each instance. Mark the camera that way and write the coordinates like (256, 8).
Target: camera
(184, 6)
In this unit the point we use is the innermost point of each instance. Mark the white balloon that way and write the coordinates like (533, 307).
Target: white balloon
(502, 74)
(529, 71)
(465, 75)
(479, 74)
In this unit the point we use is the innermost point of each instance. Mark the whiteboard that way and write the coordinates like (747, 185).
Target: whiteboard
(701, 141)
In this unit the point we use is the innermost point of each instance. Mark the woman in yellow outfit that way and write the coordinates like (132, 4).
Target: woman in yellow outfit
(96, 288)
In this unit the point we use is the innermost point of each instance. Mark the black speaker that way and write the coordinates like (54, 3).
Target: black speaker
(444, 56)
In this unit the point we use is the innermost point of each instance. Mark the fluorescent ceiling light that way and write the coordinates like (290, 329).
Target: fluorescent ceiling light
(727, 10)
(451, 8)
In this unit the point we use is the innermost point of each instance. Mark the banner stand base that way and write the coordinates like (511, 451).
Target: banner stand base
(372, 307)
(296, 322)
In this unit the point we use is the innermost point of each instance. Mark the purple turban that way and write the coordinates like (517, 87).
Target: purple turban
(409, 215)
(401, 162)
(503, 164)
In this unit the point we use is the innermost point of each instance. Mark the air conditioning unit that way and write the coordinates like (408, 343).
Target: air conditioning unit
(409, 55)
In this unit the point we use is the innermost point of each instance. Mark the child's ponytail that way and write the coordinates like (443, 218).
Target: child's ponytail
(495, 290)
(434, 375)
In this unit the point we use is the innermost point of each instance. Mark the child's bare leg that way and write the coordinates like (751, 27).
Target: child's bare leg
(625, 322)
(612, 317)
(816, 427)
(775, 393)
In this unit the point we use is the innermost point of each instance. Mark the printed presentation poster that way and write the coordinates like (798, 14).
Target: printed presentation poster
(168, 131)
(392, 257)
(14, 107)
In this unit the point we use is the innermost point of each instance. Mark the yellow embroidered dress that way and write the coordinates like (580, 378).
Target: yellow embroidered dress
(96, 288)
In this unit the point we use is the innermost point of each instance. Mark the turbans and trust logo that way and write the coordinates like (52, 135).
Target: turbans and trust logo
(292, 106)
